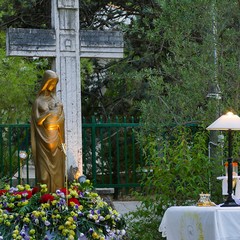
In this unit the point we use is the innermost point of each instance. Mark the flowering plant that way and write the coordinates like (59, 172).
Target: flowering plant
(73, 213)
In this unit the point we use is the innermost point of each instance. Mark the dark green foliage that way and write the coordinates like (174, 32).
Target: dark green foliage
(25, 13)
(179, 170)
(18, 78)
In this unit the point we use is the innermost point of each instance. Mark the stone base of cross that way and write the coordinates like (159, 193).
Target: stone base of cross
(67, 44)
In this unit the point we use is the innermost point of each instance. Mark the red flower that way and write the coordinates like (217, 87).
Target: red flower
(35, 190)
(46, 198)
(29, 194)
(73, 200)
(65, 191)
(2, 192)
(9, 209)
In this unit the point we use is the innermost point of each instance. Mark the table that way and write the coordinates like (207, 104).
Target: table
(201, 223)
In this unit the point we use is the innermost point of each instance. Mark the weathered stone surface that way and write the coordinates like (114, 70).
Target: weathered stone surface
(42, 43)
(31, 42)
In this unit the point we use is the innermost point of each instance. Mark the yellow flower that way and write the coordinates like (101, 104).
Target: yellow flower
(73, 193)
(71, 232)
(11, 205)
(43, 186)
(93, 194)
(7, 223)
(68, 223)
(45, 205)
(95, 235)
(36, 214)
(20, 187)
(61, 227)
(73, 214)
(15, 232)
(115, 212)
(18, 196)
(26, 220)
(101, 204)
(73, 226)
(65, 232)
(42, 213)
(27, 187)
(32, 231)
(25, 203)
(14, 236)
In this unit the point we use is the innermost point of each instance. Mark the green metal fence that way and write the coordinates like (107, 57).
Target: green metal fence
(14, 138)
(112, 156)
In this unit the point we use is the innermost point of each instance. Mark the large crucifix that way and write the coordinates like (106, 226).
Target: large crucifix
(66, 43)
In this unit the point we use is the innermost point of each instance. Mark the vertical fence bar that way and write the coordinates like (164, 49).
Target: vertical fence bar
(102, 152)
(27, 150)
(118, 154)
(133, 152)
(25, 147)
(110, 151)
(140, 150)
(10, 154)
(93, 143)
(84, 136)
(19, 180)
(126, 152)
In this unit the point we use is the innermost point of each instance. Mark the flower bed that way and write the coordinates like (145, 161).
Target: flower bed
(73, 213)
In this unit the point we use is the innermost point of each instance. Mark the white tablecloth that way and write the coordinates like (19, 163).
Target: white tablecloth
(201, 223)
(224, 179)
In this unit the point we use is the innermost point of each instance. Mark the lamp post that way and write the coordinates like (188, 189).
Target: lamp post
(228, 122)
(23, 155)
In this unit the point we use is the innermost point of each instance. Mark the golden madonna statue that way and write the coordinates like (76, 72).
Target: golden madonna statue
(47, 135)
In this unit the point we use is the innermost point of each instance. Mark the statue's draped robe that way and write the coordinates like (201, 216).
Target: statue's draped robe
(47, 137)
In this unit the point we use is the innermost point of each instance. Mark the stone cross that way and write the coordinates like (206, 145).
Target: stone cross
(66, 43)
